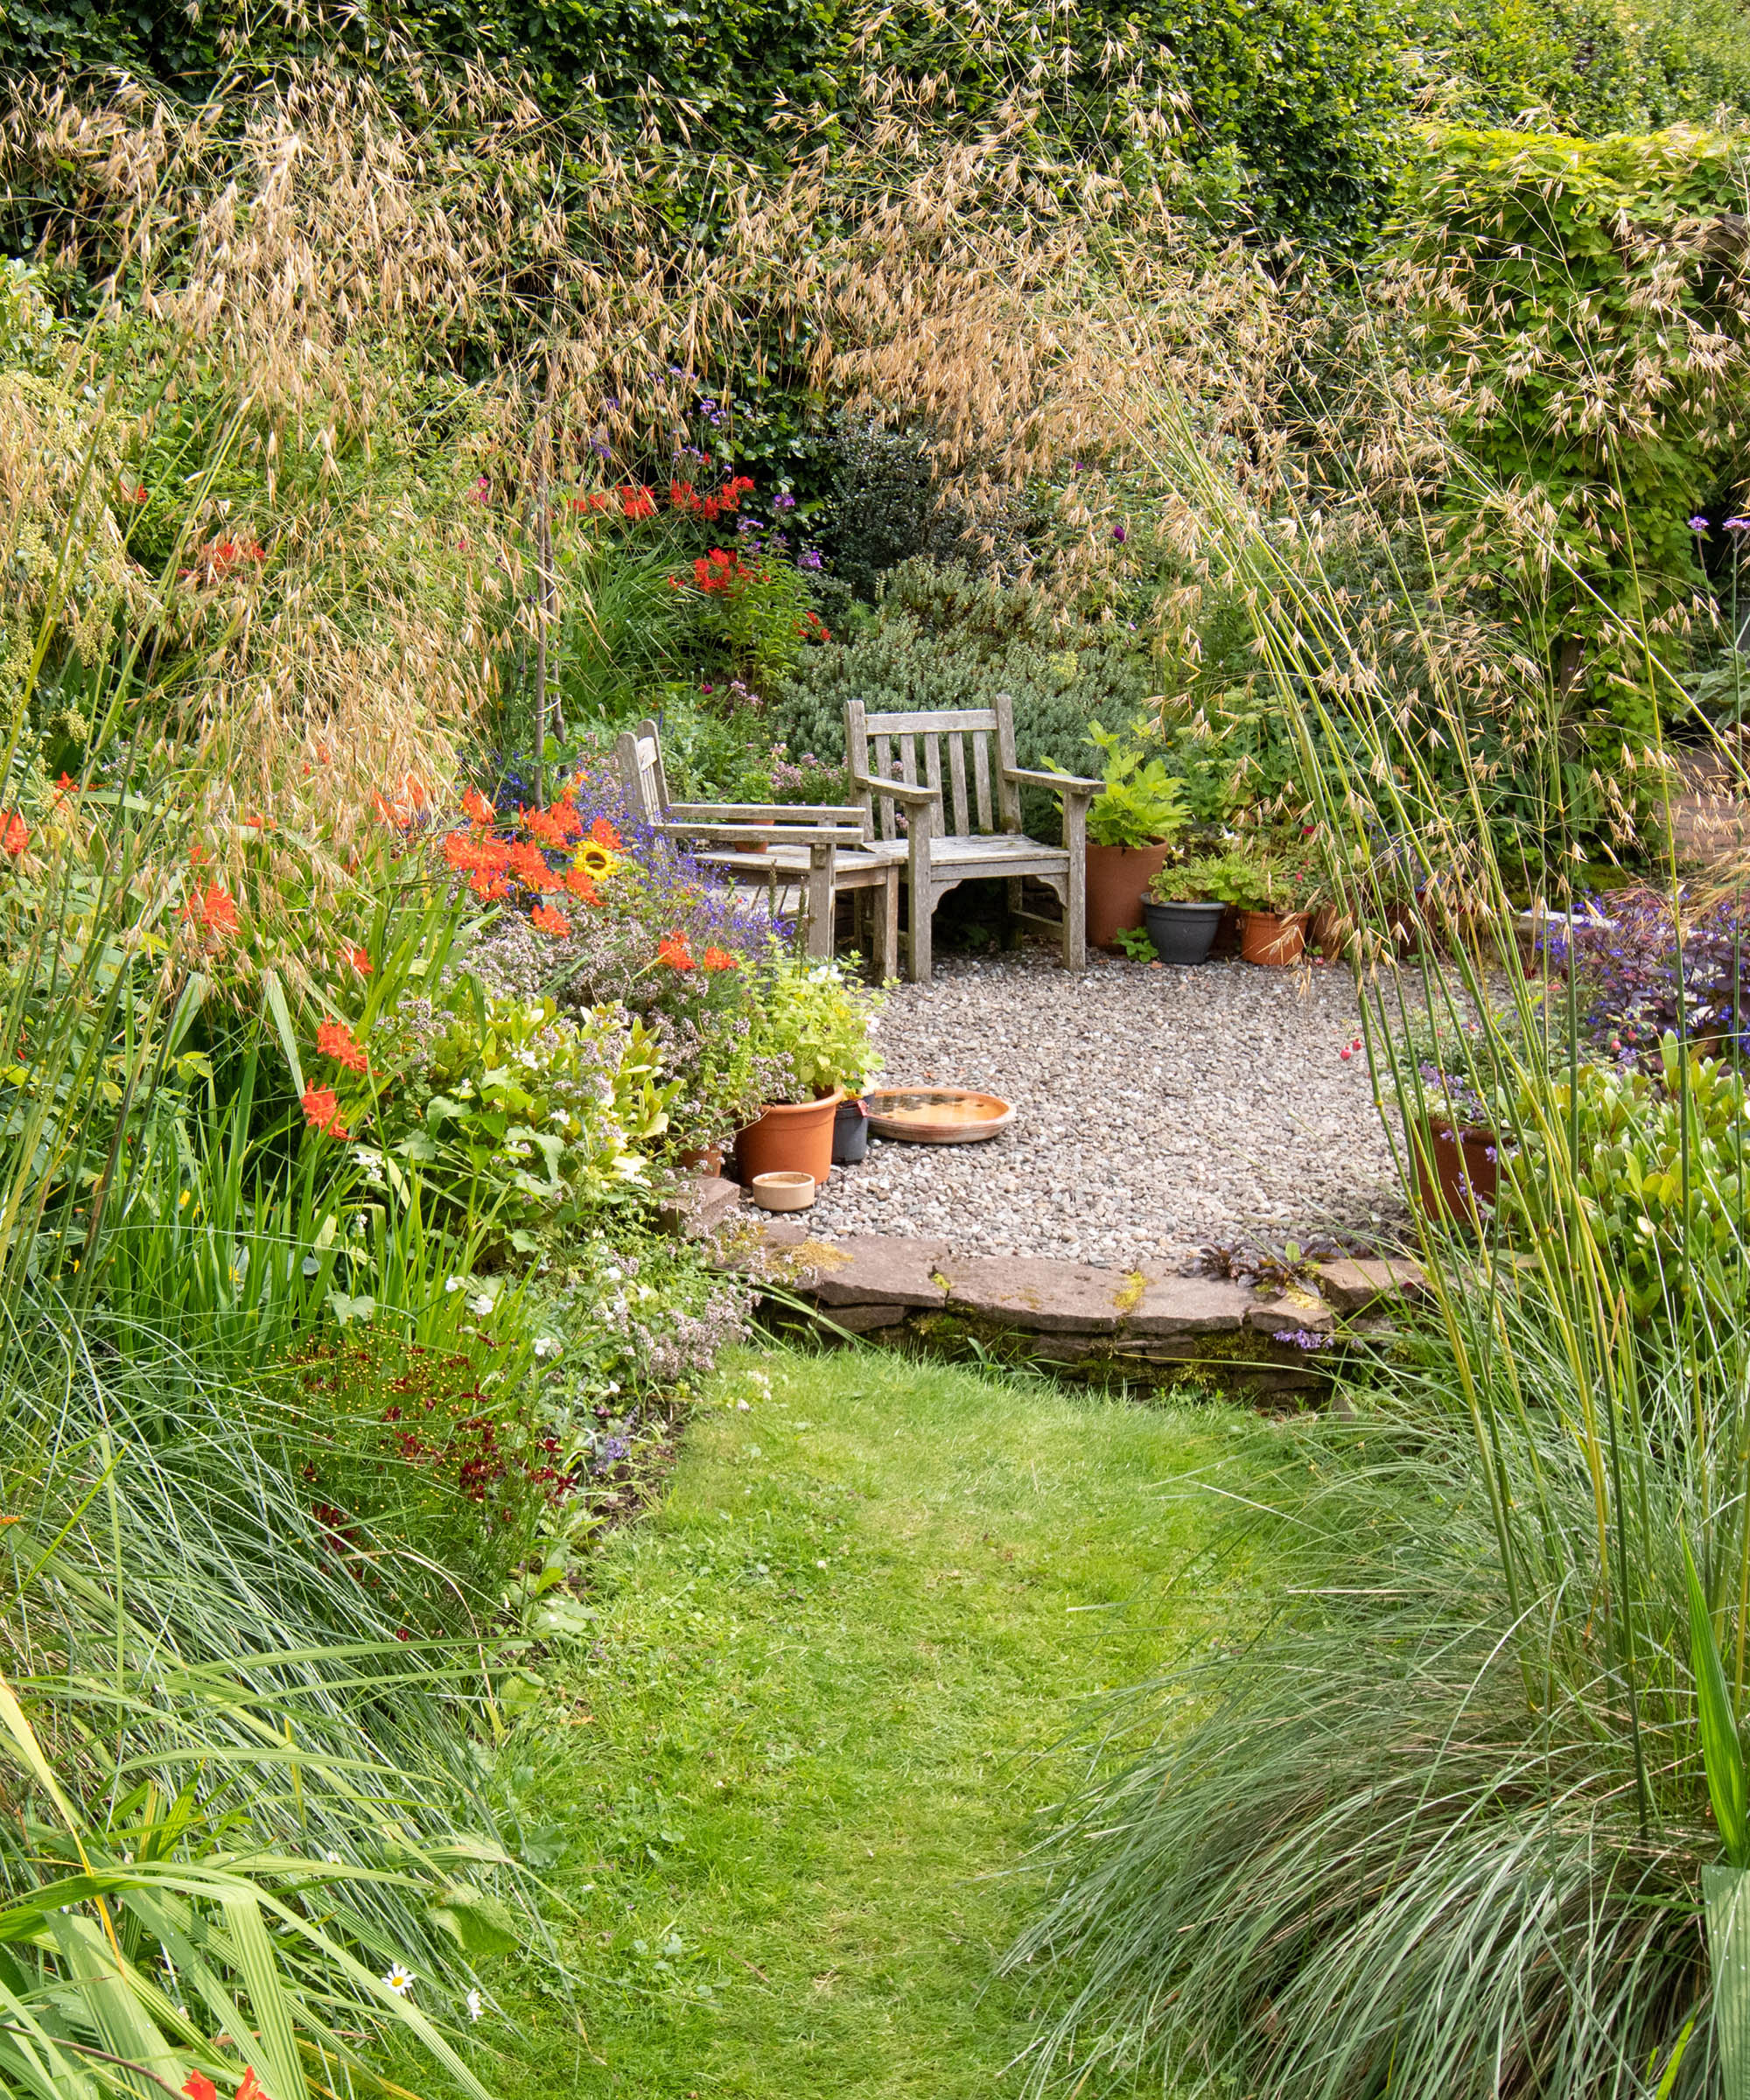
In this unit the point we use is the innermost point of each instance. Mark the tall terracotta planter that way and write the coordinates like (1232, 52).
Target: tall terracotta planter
(1272, 937)
(1117, 878)
(790, 1138)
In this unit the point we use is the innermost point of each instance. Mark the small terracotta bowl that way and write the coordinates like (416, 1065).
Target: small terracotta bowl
(783, 1191)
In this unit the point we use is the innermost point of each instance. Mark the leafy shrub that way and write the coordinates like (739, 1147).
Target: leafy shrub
(1141, 803)
(524, 1118)
(943, 638)
(1551, 271)
(1660, 1165)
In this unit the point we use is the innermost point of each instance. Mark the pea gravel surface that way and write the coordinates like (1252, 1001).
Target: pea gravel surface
(1159, 1111)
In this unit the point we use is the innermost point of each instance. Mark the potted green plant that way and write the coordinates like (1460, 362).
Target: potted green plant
(1184, 905)
(1271, 885)
(808, 1033)
(1131, 828)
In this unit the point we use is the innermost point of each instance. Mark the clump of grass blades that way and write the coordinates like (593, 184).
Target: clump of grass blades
(1435, 1823)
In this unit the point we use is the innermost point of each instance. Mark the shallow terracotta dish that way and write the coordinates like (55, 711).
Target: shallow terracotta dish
(937, 1115)
(783, 1191)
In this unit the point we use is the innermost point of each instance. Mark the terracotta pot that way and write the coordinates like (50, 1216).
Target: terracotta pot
(1227, 940)
(703, 1159)
(790, 1138)
(1117, 878)
(1326, 933)
(1272, 937)
(1457, 1172)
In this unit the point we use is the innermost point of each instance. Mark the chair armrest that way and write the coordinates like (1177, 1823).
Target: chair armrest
(901, 790)
(1065, 783)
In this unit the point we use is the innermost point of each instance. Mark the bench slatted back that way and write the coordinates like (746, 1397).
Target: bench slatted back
(928, 730)
(640, 751)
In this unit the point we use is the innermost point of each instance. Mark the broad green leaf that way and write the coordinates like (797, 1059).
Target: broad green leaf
(1722, 1753)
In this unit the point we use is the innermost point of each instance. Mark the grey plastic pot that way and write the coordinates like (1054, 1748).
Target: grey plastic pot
(1182, 933)
(850, 1133)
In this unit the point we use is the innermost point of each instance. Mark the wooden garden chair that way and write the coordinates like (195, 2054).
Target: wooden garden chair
(820, 849)
(941, 854)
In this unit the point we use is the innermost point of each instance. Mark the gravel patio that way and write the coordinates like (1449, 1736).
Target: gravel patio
(1160, 1111)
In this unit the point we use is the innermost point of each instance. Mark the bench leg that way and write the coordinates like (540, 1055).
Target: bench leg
(1075, 889)
(884, 912)
(818, 901)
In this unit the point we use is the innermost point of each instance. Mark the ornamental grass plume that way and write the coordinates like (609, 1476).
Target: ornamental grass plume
(1436, 1820)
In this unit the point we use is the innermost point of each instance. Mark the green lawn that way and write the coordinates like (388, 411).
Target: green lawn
(807, 1743)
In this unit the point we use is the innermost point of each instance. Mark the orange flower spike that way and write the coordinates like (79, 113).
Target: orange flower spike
(545, 919)
(477, 808)
(715, 958)
(213, 910)
(582, 886)
(461, 851)
(199, 2087)
(251, 2089)
(603, 834)
(334, 1039)
(672, 949)
(487, 887)
(322, 1111)
(14, 835)
(359, 957)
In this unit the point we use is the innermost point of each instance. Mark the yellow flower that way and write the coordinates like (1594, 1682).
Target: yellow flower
(595, 860)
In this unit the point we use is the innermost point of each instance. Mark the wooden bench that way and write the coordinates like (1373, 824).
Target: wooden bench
(821, 849)
(897, 767)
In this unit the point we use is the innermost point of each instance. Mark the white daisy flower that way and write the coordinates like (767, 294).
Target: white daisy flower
(399, 1979)
(476, 2004)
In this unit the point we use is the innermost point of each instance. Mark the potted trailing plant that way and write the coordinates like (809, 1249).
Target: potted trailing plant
(1131, 828)
(1184, 903)
(808, 1033)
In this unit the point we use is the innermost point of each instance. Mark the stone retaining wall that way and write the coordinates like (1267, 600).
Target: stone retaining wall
(1157, 1327)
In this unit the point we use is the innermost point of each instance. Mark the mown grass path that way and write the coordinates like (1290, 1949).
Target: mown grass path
(803, 1750)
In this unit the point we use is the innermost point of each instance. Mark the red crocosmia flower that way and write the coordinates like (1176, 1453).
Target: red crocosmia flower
(582, 886)
(718, 958)
(197, 855)
(334, 1039)
(359, 957)
(322, 1111)
(68, 785)
(461, 851)
(530, 869)
(251, 2087)
(477, 808)
(551, 826)
(545, 919)
(674, 583)
(199, 2087)
(638, 502)
(14, 835)
(488, 886)
(603, 834)
(672, 949)
(681, 496)
(212, 910)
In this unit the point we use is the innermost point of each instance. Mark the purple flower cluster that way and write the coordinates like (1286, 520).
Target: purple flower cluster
(1637, 981)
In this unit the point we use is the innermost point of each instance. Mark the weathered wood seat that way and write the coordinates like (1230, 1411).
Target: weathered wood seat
(942, 846)
(820, 849)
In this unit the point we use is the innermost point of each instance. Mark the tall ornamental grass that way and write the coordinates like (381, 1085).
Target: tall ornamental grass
(1433, 1819)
